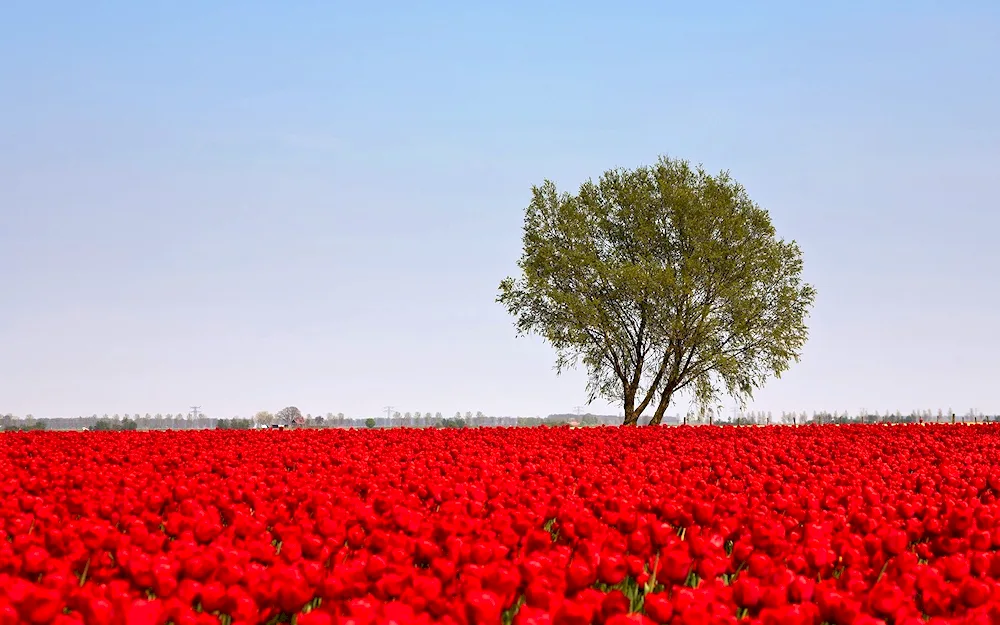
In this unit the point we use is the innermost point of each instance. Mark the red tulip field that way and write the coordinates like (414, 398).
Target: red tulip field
(862, 524)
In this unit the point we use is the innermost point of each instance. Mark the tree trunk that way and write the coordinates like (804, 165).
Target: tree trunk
(631, 416)
(661, 407)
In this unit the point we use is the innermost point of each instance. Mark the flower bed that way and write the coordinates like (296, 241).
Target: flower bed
(847, 525)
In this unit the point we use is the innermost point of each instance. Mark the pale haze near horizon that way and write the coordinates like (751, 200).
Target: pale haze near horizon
(248, 207)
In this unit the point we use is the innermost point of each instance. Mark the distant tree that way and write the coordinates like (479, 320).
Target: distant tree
(105, 424)
(369, 423)
(264, 418)
(319, 420)
(662, 280)
(468, 415)
(288, 416)
(437, 415)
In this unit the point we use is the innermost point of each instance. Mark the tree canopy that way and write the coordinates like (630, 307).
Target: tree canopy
(288, 415)
(662, 280)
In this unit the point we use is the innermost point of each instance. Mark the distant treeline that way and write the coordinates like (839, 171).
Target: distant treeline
(202, 422)
(10, 423)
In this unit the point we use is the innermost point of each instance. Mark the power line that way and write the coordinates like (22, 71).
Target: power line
(388, 414)
(194, 412)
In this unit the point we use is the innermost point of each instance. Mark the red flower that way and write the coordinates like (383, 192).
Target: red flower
(612, 569)
(746, 592)
(315, 618)
(659, 607)
(615, 602)
(482, 607)
(674, 566)
(144, 613)
(974, 592)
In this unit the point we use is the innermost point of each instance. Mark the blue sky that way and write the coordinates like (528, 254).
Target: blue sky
(246, 205)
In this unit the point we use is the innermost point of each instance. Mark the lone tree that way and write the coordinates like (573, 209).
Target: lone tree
(663, 280)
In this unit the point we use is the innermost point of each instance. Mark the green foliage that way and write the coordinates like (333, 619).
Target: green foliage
(115, 425)
(35, 426)
(234, 424)
(457, 422)
(530, 421)
(369, 422)
(662, 280)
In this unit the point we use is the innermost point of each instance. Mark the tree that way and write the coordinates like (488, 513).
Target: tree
(288, 416)
(662, 280)
(264, 418)
(369, 423)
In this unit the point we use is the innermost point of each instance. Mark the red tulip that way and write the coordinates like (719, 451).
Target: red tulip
(658, 607)
(615, 602)
(746, 592)
(483, 607)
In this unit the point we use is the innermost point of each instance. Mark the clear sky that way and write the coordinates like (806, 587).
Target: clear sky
(246, 205)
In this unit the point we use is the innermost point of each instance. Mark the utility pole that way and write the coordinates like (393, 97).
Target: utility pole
(388, 414)
(194, 412)
(579, 410)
